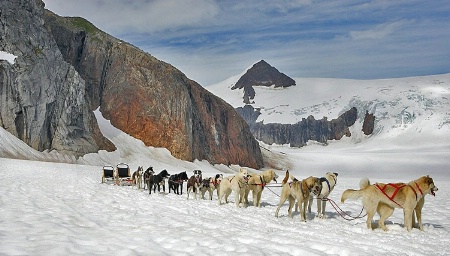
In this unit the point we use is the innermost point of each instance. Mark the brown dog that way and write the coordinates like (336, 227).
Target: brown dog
(384, 198)
(256, 184)
(300, 191)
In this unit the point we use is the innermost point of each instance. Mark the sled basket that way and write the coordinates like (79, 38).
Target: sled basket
(108, 174)
(124, 175)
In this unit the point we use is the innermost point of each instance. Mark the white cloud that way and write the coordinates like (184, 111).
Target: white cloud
(378, 32)
(138, 16)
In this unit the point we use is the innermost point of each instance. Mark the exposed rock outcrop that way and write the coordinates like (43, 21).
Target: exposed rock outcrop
(297, 135)
(261, 74)
(151, 100)
(369, 123)
(43, 98)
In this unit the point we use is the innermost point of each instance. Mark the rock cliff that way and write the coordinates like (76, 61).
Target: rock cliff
(43, 98)
(297, 135)
(151, 100)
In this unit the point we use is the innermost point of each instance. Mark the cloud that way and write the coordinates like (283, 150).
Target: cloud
(211, 40)
(379, 31)
(139, 16)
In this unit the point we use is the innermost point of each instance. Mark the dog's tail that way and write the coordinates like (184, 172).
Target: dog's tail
(286, 178)
(356, 194)
(351, 194)
(364, 183)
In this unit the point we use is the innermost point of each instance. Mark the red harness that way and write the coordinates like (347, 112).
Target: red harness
(397, 187)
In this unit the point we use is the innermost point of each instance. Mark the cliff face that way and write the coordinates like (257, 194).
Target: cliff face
(151, 100)
(43, 98)
(297, 135)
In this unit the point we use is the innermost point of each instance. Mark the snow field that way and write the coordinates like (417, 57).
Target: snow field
(50, 208)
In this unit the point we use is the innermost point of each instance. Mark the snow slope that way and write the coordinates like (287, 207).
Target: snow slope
(412, 111)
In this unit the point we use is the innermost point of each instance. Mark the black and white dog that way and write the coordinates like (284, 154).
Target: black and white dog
(149, 172)
(328, 183)
(194, 183)
(210, 184)
(158, 180)
(176, 182)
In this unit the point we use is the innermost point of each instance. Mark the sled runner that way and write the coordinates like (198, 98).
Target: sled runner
(108, 174)
(123, 175)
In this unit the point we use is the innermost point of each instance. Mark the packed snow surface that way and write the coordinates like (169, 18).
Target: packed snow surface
(63, 209)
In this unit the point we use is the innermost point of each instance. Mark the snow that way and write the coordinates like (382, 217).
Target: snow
(51, 208)
(11, 58)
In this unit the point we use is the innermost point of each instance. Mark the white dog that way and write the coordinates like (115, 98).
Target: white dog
(236, 183)
(328, 183)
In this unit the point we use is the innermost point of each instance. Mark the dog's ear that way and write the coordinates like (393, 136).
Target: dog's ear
(335, 173)
(429, 180)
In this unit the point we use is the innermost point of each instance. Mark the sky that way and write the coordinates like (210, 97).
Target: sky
(211, 41)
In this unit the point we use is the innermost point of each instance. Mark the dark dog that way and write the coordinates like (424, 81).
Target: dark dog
(176, 181)
(158, 180)
(149, 172)
(194, 183)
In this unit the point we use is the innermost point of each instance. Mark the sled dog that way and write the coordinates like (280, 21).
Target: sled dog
(298, 190)
(211, 184)
(384, 198)
(328, 183)
(236, 183)
(194, 183)
(137, 177)
(256, 184)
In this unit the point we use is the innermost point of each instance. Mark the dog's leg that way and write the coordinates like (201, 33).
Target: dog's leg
(219, 197)
(418, 211)
(370, 213)
(258, 198)
(408, 215)
(283, 199)
(247, 191)
(310, 202)
(385, 211)
(303, 206)
(291, 205)
(323, 202)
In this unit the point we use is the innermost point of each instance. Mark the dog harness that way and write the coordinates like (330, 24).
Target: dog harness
(328, 183)
(397, 187)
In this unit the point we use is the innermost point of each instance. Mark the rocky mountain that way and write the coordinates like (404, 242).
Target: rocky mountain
(43, 98)
(261, 74)
(86, 69)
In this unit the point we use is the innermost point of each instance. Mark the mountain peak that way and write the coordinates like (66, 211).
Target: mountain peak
(261, 74)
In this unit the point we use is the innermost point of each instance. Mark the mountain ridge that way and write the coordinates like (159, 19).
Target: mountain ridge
(411, 109)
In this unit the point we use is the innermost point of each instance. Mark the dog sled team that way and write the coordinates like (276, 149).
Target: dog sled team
(376, 198)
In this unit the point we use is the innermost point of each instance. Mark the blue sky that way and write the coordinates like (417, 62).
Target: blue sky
(212, 40)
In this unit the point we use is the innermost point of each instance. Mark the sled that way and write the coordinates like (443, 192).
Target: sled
(123, 175)
(108, 174)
